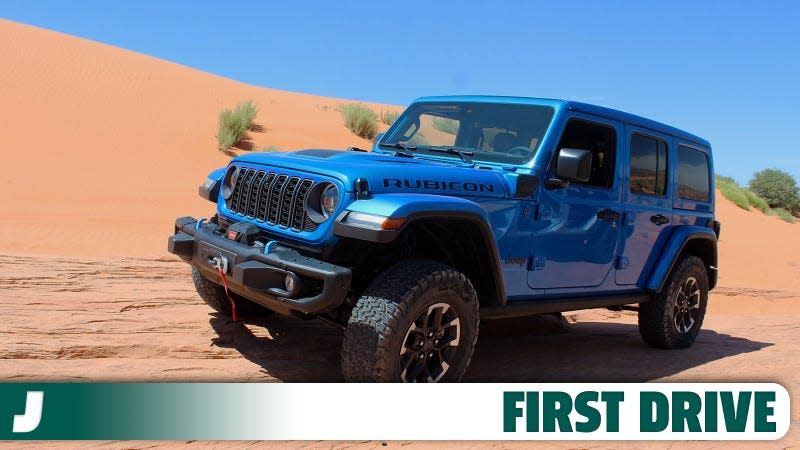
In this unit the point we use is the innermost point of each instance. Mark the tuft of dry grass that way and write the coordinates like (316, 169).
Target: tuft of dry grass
(731, 190)
(359, 119)
(388, 117)
(783, 214)
(234, 127)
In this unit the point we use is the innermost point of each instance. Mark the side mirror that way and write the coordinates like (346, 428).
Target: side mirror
(574, 164)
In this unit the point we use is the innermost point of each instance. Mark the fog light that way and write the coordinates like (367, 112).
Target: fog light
(292, 282)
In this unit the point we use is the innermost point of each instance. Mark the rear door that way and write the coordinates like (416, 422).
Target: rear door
(647, 201)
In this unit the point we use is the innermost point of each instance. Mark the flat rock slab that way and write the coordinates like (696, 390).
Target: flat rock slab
(140, 320)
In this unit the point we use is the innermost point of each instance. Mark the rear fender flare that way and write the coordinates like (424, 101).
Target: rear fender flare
(674, 248)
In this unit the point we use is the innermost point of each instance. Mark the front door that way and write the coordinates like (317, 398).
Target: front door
(578, 226)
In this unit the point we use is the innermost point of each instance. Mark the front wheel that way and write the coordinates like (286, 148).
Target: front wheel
(417, 322)
(673, 317)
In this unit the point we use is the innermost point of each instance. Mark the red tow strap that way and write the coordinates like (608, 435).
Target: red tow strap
(225, 285)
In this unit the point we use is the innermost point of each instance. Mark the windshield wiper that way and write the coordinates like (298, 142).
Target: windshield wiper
(453, 151)
(401, 149)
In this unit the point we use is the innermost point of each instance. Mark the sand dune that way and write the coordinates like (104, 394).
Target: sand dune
(103, 147)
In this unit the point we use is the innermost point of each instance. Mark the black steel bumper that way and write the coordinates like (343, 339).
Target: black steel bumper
(259, 276)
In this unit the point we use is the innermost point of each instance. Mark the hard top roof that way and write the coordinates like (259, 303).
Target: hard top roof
(587, 108)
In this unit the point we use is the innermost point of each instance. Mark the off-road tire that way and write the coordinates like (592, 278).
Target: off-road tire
(657, 317)
(214, 296)
(380, 321)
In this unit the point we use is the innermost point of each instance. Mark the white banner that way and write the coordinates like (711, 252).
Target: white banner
(497, 411)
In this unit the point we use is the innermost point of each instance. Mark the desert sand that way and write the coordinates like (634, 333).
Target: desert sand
(103, 147)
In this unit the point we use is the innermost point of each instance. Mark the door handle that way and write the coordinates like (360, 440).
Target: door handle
(659, 219)
(608, 214)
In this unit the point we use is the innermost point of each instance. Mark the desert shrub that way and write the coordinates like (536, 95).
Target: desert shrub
(271, 148)
(234, 125)
(783, 214)
(723, 179)
(445, 125)
(777, 187)
(756, 201)
(731, 190)
(388, 117)
(360, 120)
(794, 207)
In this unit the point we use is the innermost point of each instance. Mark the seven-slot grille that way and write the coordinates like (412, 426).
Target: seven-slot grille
(274, 198)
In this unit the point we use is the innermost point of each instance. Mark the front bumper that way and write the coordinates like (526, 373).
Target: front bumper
(259, 276)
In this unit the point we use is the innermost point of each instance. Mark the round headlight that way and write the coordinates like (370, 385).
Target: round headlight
(329, 200)
(229, 182)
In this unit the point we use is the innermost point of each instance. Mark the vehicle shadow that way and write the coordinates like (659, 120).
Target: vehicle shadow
(293, 350)
(595, 352)
(286, 348)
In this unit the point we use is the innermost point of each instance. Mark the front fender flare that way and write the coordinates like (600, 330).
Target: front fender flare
(415, 207)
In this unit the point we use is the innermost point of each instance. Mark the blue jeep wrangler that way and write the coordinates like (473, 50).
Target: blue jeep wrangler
(467, 209)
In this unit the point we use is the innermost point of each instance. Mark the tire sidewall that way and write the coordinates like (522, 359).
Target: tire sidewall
(690, 267)
(383, 314)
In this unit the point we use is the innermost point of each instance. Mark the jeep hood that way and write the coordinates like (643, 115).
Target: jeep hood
(387, 173)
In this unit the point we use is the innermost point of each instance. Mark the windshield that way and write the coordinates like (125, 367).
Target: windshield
(494, 132)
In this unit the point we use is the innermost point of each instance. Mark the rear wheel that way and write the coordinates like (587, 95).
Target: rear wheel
(214, 296)
(673, 317)
(417, 322)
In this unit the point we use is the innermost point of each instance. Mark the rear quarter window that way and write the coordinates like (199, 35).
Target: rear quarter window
(648, 165)
(693, 174)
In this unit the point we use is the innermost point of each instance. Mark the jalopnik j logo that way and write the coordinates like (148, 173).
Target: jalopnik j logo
(33, 413)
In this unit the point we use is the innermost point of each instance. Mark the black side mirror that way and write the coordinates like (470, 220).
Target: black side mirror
(574, 164)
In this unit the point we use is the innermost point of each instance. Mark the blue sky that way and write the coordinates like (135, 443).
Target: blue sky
(728, 71)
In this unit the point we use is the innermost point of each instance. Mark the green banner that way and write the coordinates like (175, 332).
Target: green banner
(134, 411)
(319, 411)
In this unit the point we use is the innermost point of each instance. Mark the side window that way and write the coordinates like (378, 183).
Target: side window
(693, 178)
(601, 140)
(648, 165)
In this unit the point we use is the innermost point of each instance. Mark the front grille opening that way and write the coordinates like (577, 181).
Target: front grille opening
(272, 198)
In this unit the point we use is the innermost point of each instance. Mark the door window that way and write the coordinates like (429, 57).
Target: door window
(648, 165)
(599, 139)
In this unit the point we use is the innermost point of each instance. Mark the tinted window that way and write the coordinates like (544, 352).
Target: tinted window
(693, 180)
(440, 130)
(648, 165)
(495, 132)
(601, 140)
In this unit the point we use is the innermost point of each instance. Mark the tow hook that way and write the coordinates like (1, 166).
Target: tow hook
(220, 263)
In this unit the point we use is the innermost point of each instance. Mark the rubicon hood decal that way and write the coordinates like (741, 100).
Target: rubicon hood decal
(436, 185)
(390, 174)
